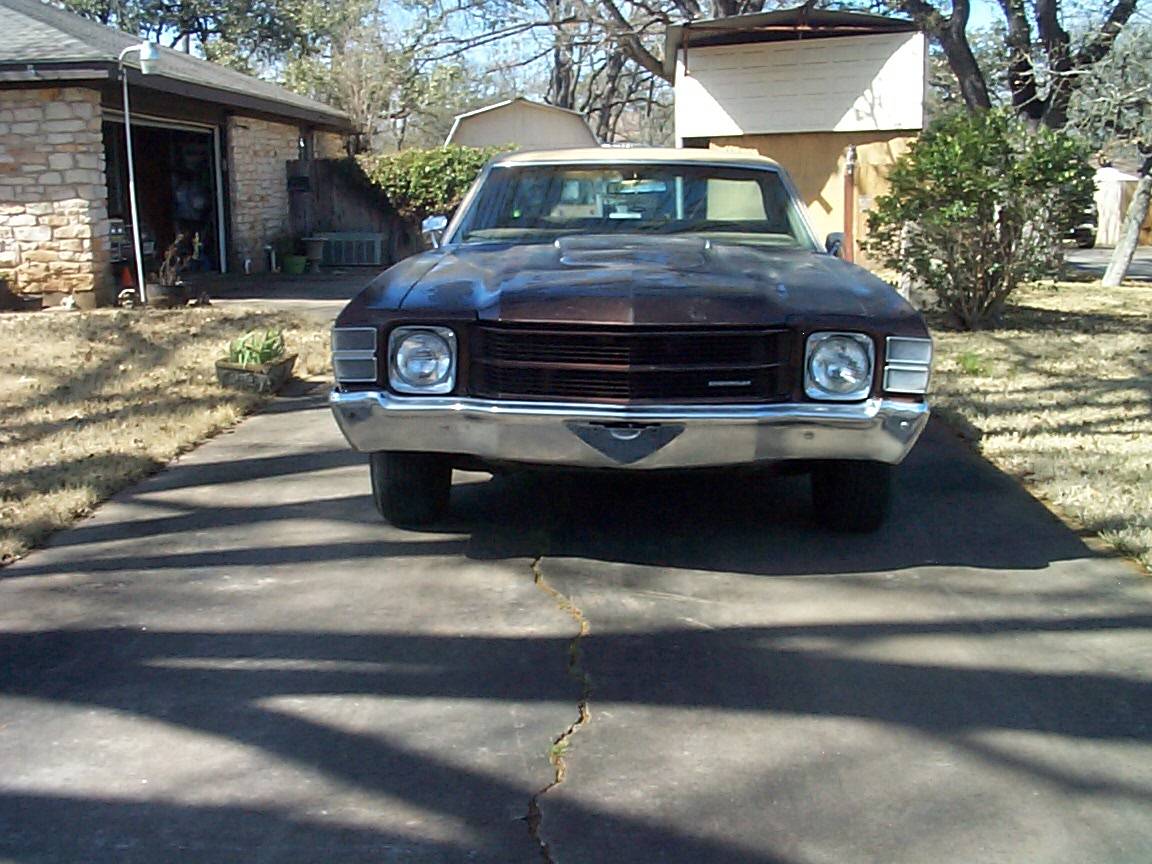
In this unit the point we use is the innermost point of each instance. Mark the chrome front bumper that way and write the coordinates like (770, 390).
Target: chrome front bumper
(601, 436)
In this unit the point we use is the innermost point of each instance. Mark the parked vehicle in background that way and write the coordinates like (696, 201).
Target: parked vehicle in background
(630, 310)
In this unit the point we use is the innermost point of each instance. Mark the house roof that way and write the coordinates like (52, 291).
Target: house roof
(1114, 175)
(800, 22)
(39, 42)
(522, 100)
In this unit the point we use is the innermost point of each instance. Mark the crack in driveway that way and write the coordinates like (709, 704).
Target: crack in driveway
(558, 751)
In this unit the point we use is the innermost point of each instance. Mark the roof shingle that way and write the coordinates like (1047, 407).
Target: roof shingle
(32, 33)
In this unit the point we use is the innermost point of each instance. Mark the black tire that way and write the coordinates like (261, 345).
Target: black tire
(1086, 239)
(851, 496)
(410, 489)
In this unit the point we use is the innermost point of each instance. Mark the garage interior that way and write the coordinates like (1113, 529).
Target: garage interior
(178, 186)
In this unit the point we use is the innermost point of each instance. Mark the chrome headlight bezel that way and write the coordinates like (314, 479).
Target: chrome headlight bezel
(819, 341)
(399, 382)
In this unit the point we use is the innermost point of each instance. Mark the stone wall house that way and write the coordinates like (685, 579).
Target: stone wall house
(258, 151)
(53, 198)
(211, 147)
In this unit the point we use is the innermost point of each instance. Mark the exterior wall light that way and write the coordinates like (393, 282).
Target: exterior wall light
(149, 56)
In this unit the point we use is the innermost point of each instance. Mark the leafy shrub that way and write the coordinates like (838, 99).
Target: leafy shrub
(421, 183)
(257, 347)
(978, 205)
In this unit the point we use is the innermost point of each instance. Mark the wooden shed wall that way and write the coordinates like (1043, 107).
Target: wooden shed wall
(815, 162)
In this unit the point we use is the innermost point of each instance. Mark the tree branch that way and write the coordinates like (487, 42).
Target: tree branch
(949, 33)
(1096, 48)
(629, 42)
(1021, 73)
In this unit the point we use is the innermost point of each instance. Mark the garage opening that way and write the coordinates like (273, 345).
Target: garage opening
(178, 193)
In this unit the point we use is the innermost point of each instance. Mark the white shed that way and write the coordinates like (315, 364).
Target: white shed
(1114, 191)
(833, 96)
(521, 122)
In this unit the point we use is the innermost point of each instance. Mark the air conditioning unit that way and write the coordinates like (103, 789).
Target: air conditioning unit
(354, 249)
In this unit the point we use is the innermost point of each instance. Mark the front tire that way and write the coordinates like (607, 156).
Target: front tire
(410, 489)
(851, 495)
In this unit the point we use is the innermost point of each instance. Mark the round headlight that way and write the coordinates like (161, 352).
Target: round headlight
(840, 366)
(423, 359)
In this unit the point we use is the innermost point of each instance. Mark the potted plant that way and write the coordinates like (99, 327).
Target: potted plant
(287, 255)
(168, 290)
(256, 361)
(294, 265)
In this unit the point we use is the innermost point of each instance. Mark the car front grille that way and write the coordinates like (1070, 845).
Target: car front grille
(630, 364)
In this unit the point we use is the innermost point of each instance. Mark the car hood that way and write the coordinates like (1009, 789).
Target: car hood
(635, 280)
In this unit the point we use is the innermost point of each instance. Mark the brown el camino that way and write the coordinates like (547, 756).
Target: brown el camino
(630, 310)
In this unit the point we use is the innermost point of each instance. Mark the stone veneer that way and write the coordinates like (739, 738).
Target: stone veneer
(53, 193)
(258, 185)
(331, 145)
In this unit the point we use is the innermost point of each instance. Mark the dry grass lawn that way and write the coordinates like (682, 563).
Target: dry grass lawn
(91, 402)
(1061, 397)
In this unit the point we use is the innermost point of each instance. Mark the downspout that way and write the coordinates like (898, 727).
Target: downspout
(849, 250)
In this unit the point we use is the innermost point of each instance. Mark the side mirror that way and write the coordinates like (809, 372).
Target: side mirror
(834, 243)
(433, 230)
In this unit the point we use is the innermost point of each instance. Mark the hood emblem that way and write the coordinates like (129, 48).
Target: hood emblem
(743, 382)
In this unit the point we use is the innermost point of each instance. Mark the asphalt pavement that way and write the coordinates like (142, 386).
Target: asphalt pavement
(237, 661)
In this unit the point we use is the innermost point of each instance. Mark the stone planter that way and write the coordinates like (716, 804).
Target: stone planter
(262, 378)
(314, 252)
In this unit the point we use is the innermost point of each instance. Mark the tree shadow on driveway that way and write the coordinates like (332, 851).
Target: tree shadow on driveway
(221, 685)
(229, 687)
(951, 508)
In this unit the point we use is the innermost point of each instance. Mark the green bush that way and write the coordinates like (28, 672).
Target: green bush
(257, 347)
(978, 205)
(421, 183)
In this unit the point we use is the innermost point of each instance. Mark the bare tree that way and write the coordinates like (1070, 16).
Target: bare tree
(605, 55)
(1044, 64)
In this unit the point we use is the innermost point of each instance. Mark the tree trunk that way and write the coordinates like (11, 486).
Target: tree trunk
(972, 85)
(1130, 230)
(562, 86)
(951, 34)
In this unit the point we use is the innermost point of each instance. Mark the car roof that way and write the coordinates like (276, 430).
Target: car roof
(626, 155)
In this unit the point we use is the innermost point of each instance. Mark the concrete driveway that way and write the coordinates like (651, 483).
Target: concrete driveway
(1091, 263)
(235, 661)
(319, 295)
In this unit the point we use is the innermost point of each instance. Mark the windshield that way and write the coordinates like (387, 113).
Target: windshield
(538, 203)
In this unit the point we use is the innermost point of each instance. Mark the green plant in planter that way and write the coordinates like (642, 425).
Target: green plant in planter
(256, 361)
(257, 347)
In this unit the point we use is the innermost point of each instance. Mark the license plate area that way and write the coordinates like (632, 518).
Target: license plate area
(625, 443)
